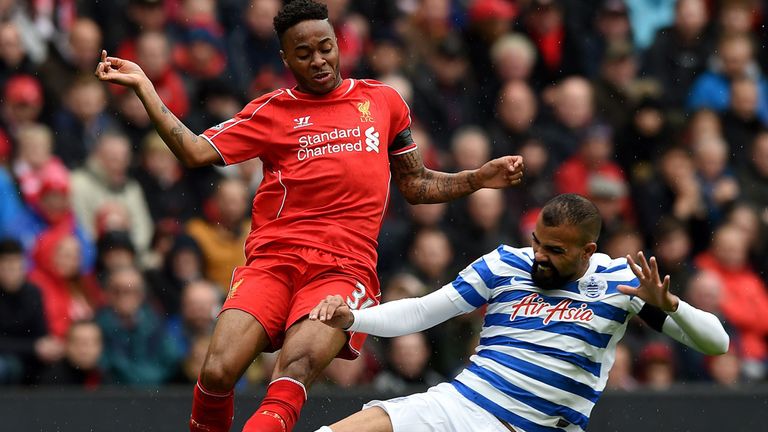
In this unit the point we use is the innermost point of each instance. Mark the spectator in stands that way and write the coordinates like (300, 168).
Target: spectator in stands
(13, 55)
(735, 60)
(25, 343)
(200, 304)
(351, 373)
(620, 377)
(192, 362)
(657, 366)
(538, 184)
(407, 365)
(512, 58)
(644, 138)
(81, 364)
(623, 241)
(82, 120)
(744, 216)
(753, 178)
(69, 294)
(384, 57)
(183, 264)
(431, 255)
(23, 103)
(740, 122)
(137, 348)
(261, 61)
(222, 233)
(10, 202)
(201, 55)
(105, 178)
(572, 104)
(470, 148)
(516, 112)
(487, 225)
(72, 58)
(114, 250)
(717, 181)
(153, 53)
(141, 16)
(402, 285)
(132, 119)
(611, 27)
(168, 192)
(679, 53)
(704, 291)
(671, 245)
(726, 369)
(616, 85)
(745, 296)
(34, 159)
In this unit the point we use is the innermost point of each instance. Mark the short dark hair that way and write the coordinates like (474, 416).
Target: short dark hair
(297, 11)
(575, 210)
(9, 246)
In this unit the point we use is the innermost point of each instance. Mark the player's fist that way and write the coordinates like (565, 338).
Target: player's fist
(502, 172)
(334, 312)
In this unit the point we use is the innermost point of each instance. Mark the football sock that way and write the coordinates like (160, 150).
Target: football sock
(280, 408)
(211, 412)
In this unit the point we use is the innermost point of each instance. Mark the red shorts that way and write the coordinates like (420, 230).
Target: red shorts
(280, 286)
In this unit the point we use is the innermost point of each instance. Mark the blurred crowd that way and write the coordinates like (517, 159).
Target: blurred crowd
(115, 259)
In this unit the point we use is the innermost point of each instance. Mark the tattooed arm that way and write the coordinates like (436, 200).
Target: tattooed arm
(421, 185)
(188, 147)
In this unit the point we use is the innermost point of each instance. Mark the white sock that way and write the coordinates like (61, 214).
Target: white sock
(324, 429)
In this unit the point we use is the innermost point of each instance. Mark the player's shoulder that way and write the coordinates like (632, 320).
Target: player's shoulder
(606, 265)
(378, 87)
(508, 256)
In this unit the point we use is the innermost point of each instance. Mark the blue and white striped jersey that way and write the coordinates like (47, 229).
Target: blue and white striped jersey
(544, 355)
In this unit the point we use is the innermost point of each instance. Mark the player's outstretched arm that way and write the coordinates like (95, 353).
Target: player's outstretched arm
(693, 327)
(188, 147)
(391, 319)
(421, 185)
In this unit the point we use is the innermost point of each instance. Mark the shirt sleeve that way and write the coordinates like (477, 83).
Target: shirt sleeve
(474, 285)
(244, 136)
(399, 123)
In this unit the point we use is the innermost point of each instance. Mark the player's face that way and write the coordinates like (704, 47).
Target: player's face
(312, 55)
(560, 255)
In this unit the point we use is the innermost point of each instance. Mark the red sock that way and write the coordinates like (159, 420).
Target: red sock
(211, 412)
(280, 408)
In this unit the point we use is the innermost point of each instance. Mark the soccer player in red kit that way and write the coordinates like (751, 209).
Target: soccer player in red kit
(330, 147)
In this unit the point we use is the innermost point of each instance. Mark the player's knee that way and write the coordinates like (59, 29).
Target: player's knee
(216, 376)
(302, 367)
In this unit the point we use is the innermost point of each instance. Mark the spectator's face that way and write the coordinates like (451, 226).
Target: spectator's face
(659, 375)
(620, 72)
(614, 26)
(432, 253)
(704, 292)
(760, 154)
(673, 248)
(711, 158)
(193, 363)
(736, 55)
(691, 17)
(486, 206)
(730, 247)
(517, 107)
(427, 214)
(514, 64)
(725, 369)
(535, 156)
(310, 51)
(114, 156)
(199, 306)
(11, 272)
(471, 151)
(560, 254)
(154, 55)
(125, 292)
(736, 19)
(85, 41)
(86, 101)
(649, 121)
(621, 372)
(744, 99)
(11, 49)
(624, 244)
(409, 355)
(84, 346)
(546, 18)
(596, 151)
(118, 258)
(148, 17)
(35, 149)
(573, 104)
(186, 265)
(385, 58)
(259, 16)
(66, 259)
(232, 200)
(403, 286)
(131, 109)
(54, 205)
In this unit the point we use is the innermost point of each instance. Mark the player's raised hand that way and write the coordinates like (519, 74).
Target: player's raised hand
(502, 172)
(652, 288)
(119, 71)
(334, 312)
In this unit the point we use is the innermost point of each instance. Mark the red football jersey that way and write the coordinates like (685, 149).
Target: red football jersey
(326, 164)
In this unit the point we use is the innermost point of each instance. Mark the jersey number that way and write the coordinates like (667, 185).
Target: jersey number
(357, 295)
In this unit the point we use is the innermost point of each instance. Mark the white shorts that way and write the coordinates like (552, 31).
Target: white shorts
(441, 408)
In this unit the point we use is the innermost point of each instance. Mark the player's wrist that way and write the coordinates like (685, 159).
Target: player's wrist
(350, 321)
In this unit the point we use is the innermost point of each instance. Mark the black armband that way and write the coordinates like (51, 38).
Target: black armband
(653, 316)
(401, 140)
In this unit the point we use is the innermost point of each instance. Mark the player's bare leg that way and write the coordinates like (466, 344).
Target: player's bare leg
(308, 348)
(237, 339)
(368, 420)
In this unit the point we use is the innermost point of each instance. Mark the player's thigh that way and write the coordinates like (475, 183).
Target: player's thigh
(440, 409)
(368, 420)
(308, 348)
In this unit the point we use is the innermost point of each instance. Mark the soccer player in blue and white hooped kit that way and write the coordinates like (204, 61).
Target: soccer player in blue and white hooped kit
(555, 313)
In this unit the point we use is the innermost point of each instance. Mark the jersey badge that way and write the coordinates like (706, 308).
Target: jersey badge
(365, 111)
(593, 286)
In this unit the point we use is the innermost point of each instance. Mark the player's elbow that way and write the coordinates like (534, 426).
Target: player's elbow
(723, 344)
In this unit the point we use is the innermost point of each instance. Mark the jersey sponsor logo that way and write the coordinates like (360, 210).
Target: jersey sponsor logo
(365, 111)
(593, 286)
(534, 306)
(357, 295)
(233, 288)
(301, 122)
(321, 144)
(371, 140)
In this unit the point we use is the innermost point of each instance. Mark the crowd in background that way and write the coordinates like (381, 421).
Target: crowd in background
(115, 259)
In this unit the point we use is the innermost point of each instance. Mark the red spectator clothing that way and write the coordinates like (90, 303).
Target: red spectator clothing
(326, 165)
(574, 174)
(744, 304)
(64, 300)
(170, 88)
